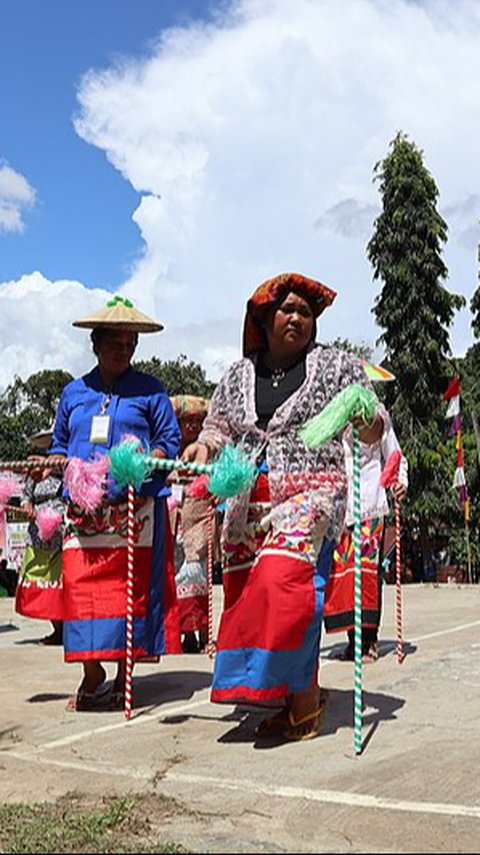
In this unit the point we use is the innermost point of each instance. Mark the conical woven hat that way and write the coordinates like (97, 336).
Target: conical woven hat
(43, 438)
(120, 314)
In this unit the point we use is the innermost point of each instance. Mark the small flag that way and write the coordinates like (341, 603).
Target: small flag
(376, 372)
(453, 389)
(452, 395)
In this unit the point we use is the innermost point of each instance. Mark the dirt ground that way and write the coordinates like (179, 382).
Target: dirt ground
(415, 787)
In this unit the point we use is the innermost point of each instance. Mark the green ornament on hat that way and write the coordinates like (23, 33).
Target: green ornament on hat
(120, 314)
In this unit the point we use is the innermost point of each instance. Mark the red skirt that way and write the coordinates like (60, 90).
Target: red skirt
(95, 574)
(339, 596)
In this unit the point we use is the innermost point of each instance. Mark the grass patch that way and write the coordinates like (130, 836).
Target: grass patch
(81, 824)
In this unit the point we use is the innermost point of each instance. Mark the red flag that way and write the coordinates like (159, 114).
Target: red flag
(453, 389)
(389, 476)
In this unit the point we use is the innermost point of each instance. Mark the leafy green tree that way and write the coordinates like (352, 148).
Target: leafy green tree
(180, 376)
(26, 407)
(363, 351)
(40, 393)
(415, 311)
(475, 305)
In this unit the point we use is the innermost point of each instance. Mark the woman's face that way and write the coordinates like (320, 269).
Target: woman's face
(190, 427)
(290, 327)
(115, 351)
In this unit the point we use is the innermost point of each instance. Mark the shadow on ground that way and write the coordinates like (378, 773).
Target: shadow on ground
(377, 707)
(385, 648)
(149, 691)
(9, 627)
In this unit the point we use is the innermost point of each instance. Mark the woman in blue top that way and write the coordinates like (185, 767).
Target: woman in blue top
(95, 412)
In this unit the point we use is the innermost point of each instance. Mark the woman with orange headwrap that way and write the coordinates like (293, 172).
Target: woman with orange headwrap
(191, 527)
(269, 635)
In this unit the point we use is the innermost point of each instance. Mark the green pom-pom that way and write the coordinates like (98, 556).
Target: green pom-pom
(128, 465)
(354, 400)
(233, 472)
(128, 304)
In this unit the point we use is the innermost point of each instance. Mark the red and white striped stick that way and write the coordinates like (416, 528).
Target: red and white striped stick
(398, 586)
(24, 466)
(210, 524)
(129, 602)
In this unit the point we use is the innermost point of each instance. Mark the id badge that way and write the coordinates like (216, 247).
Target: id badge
(177, 492)
(100, 430)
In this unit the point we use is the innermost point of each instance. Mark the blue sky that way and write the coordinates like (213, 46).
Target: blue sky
(182, 152)
(81, 226)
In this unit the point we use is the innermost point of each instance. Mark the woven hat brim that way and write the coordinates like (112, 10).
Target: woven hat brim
(42, 439)
(131, 326)
(120, 317)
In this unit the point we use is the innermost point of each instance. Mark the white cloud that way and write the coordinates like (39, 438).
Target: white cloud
(349, 218)
(36, 317)
(16, 195)
(241, 135)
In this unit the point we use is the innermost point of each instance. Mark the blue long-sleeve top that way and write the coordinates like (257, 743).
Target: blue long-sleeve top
(137, 404)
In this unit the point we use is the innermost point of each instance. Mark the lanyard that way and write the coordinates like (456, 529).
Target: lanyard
(106, 403)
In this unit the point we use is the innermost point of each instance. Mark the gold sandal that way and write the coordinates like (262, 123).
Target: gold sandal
(316, 716)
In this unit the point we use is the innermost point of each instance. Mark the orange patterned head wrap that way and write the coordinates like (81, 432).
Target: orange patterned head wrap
(274, 291)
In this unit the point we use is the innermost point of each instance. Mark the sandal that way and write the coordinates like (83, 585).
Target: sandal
(371, 655)
(116, 700)
(83, 701)
(273, 724)
(296, 733)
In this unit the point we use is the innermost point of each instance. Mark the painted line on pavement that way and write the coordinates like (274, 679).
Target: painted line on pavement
(391, 644)
(246, 786)
(189, 705)
(445, 631)
(141, 718)
(78, 767)
(327, 796)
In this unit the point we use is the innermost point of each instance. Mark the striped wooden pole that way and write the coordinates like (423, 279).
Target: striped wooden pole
(210, 526)
(170, 465)
(357, 547)
(155, 462)
(23, 466)
(398, 587)
(129, 602)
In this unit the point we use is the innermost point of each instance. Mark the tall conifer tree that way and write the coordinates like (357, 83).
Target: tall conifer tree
(415, 311)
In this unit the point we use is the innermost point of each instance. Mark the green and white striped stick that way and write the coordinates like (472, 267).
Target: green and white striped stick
(166, 464)
(357, 550)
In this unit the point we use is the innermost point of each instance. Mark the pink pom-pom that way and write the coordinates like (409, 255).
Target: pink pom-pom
(389, 476)
(198, 489)
(48, 522)
(172, 503)
(86, 481)
(8, 487)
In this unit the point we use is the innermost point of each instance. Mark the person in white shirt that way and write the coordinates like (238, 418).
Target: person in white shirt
(339, 595)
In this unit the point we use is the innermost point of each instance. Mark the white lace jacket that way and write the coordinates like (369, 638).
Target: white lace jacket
(318, 477)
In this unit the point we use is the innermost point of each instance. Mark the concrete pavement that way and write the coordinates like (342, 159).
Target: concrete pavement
(415, 788)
